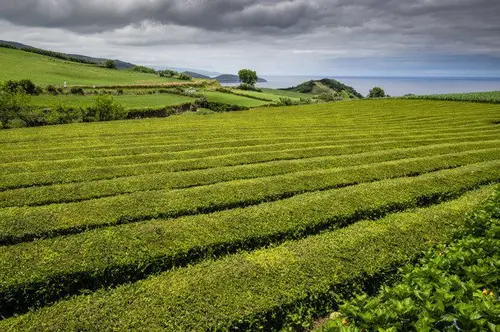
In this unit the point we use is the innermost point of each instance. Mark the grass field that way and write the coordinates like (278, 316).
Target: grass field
(129, 101)
(282, 93)
(232, 99)
(484, 97)
(45, 70)
(271, 95)
(243, 220)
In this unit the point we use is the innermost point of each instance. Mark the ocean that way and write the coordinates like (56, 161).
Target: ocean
(396, 86)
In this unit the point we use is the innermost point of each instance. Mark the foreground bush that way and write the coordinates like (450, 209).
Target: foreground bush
(105, 108)
(454, 288)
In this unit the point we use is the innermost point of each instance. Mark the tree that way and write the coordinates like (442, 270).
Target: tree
(248, 77)
(376, 92)
(14, 105)
(110, 64)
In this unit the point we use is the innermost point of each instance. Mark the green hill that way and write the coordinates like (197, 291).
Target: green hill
(17, 64)
(325, 85)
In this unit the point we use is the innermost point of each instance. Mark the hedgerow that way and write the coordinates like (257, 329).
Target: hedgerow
(263, 290)
(19, 224)
(158, 143)
(184, 240)
(247, 154)
(79, 191)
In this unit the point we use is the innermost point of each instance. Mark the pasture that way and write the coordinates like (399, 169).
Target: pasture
(44, 70)
(239, 220)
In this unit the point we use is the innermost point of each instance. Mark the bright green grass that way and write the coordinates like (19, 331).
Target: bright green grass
(128, 101)
(44, 70)
(485, 97)
(263, 95)
(231, 99)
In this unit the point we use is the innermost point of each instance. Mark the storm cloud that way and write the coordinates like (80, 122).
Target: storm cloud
(272, 36)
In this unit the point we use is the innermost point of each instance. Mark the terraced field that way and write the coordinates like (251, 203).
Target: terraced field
(243, 220)
(478, 97)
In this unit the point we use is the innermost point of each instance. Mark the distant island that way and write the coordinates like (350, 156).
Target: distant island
(196, 75)
(325, 86)
(228, 78)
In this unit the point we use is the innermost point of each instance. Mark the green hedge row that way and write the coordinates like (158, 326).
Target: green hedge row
(148, 157)
(46, 269)
(264, 289)
(54, 140)
(18, 224)
(65, 193)
(20, 180)
(160, 144)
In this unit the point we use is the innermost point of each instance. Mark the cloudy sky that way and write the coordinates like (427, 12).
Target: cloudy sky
(305, 37)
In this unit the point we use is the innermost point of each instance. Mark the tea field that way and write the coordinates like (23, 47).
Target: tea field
(478, 97)
(245, 220)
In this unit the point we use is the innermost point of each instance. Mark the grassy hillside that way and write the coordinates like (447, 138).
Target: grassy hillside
(44, 70)
(323, 86)
(265, 214)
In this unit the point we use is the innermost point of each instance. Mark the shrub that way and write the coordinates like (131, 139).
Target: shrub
(248, 88)
(376, 92)
(110, 64)
(167, 73)
(329, 96)
(105, 108)
(184, 77)
(77, 91)
(23, 86)
(51, 90)
(143, 69)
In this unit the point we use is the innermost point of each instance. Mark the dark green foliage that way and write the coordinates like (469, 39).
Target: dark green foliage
(336, 87)
(248, 87)
(110, 64)
(376, 92)
(51, 90)
(218, 107)
(143, 69)
(167, 73)
(453, 288)
(77, 91)
(161, 112)
(248, 77)
(106, 109)
(22, 86)
(184, 77)
(339, 87)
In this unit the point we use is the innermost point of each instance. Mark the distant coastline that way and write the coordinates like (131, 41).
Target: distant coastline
(395, 86)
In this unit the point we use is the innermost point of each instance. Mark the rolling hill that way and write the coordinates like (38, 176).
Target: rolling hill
(44, 70)
(324, 85)
(71, 57)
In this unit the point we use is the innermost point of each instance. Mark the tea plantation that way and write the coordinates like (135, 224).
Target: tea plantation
(245, 220)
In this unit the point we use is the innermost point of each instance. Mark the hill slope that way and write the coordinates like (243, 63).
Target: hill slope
(71, 57)
(324, 85)
(43, 70)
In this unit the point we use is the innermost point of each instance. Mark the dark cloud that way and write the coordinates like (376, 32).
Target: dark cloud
(290, 30)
